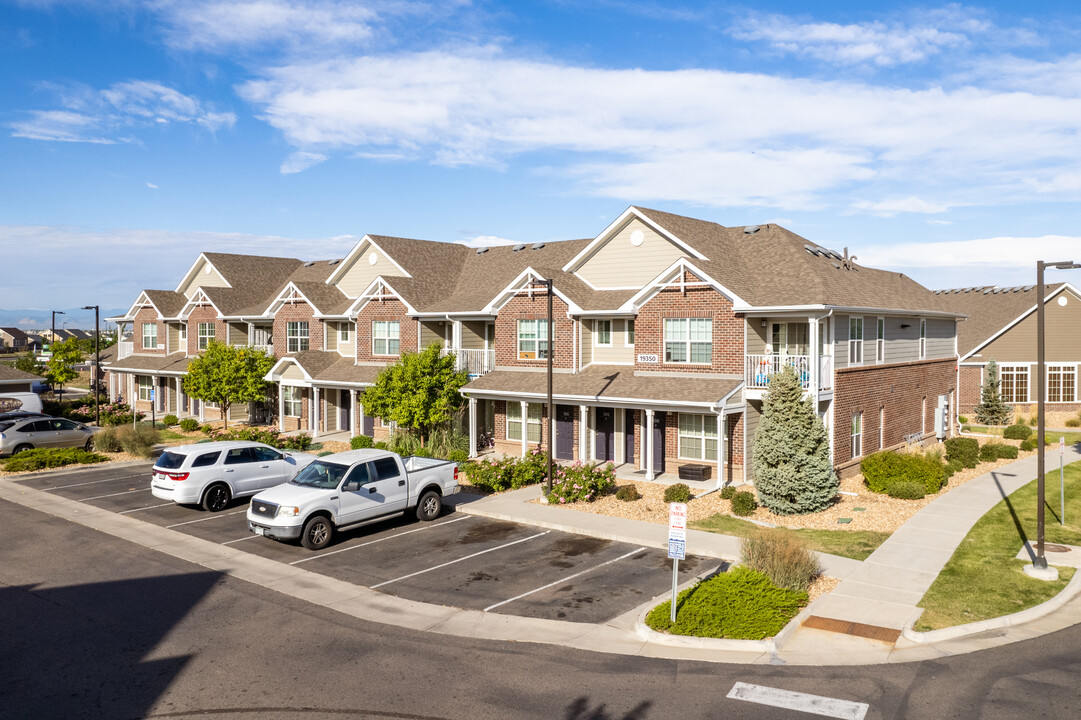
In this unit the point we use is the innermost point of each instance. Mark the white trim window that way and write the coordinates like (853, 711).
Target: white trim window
(206, 334)
(688, 340)
(184, 334)
(532, 339)
(697, 437)
(146, 386)
(292, 401)
(386, 337)
(857, 434)
(602, 333)
(534, 414)
(1014, 383)
(628, 339)
(1061, 383)
(855, 341)
(343, 333)
(150, 336)
(297, 337)
(880, 340)
(923, 339)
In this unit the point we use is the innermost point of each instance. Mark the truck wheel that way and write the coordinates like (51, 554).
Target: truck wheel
(217, 497)
(430, 505)
(317, 533)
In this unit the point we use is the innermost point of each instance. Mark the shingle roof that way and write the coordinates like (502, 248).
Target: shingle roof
(168, 303)
(607, 382)
(324, 366)
(241, 270)
(169, 364)
(989, 308)
(15, 333)
(10, 374)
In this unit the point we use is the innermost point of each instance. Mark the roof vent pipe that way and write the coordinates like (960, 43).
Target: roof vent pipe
(751, 229)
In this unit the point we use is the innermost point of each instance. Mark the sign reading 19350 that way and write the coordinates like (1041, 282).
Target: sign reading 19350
(648, 358)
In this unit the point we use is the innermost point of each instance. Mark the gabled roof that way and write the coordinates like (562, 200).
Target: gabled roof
(321, 366)
(9, 374)
(672, 227)
(991, 310)
(166, 302)
(15, 333)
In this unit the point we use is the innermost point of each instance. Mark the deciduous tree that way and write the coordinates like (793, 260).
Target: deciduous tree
(228, 374)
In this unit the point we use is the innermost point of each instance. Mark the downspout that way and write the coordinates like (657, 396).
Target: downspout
(818, 378)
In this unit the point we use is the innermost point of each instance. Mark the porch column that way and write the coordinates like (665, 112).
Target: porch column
(315, 414)
(525, 427)
(583, 432)
(281, 408)
(472, 427)
(812, 351)
(647, 448)
(360, 416)
(722, 444)
(352, 413)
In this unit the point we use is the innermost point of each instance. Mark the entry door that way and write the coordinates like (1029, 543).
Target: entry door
(343, 403)
(658, 442)
(628, 436)
(564, 432)
(606, 434)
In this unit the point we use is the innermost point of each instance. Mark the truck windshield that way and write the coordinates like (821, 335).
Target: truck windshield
(321, 474)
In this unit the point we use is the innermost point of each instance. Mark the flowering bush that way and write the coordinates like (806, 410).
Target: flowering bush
(117, 413)
(581, 483)
(509, 473)
(267, 436)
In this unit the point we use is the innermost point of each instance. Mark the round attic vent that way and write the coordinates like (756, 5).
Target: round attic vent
(206, 268)
(637, 238)
(372, 258)
(1062, 300)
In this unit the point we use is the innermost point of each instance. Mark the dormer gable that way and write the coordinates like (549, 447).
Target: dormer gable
(629, 253)
(364, 263)
(529, 282)
(379, 290)
(202, 273)
(197, 300)
(290, 295)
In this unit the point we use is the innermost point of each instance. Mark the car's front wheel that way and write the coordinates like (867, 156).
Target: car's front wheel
(217, 497)
(89, 444)
(21, 448)
(317, 533)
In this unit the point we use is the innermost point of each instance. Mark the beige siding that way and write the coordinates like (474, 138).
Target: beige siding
(239, 411)
(587, 342)
(840, 341)
(757, 336)
(618, 263)
(618, 353)
(238, 333)
(348, 348)
(361, 271)
(751, 418)
(332, 336)
(202, 278)
(293, 373)
(432, 331)
(174, 339)
(1062, 339)
(473, 335)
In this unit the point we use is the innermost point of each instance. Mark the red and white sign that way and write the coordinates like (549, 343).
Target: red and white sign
(1062, 446)
(677, 520)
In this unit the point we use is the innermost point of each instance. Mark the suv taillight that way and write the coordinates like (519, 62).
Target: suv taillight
(178, 476)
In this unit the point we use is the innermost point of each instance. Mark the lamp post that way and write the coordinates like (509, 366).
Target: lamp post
(52, 341)
(97, 364)
(547, 285)
(1040, 562)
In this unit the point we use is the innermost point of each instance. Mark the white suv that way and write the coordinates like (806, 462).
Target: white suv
(211, 474)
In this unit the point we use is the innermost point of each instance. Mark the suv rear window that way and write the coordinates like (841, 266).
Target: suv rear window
(206, 459)
(170, 460)
(5, 425)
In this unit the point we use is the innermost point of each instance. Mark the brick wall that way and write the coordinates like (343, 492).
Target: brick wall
(296, 312)
(148, 315)
(384, 310)
(900, 389)
(524, 308)
(202, 315)
(969, 392)
(971, 377)
(694, 302)
(301, 423)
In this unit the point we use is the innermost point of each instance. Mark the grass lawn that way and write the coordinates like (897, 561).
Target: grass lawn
(855, 544)
(983, 580)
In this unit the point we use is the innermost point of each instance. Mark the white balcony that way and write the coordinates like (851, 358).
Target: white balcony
(759, 369)
(825, 372)
(125, 349)
(474, 362)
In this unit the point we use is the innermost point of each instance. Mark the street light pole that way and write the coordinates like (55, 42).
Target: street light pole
(551, 408)
(52, 341)
(1040, 562)
(97, 364)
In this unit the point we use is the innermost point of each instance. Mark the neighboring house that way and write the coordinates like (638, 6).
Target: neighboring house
(1001, 326)
(12, 380)
(14, 340)
(666, 330)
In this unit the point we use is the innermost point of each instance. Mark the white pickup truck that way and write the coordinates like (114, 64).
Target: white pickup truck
(340, 491)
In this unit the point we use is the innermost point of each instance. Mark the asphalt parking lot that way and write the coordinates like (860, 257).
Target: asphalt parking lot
(458, 560)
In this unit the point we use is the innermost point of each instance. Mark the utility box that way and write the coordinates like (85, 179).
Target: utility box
(942, 416)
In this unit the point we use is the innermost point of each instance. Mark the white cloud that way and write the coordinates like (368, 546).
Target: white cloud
(878, 43)
(152, 186)
(1001, 252)
(911, 204)
(706, 136)
(300, 161)
(480, 241)
(99, 116)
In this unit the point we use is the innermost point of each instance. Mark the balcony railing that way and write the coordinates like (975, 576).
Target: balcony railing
(125, 349)
(825, 372)
(474, 362)
(760, 368)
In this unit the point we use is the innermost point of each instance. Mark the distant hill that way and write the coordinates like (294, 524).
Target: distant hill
(42, 319)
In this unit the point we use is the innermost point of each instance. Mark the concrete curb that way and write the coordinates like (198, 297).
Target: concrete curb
(1072, 589)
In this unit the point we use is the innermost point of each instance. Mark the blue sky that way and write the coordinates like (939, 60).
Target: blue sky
(940, 140)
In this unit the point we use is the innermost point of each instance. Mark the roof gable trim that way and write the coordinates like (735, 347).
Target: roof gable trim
(578, 260)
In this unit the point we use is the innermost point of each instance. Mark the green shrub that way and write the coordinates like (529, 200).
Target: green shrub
(743, 503)
(678, 493)
(580, 482)
(1017, 432)
(740, 604)
(380, 445)
(727, 492)
(170, 420)
(422, 452)
(905, 490)
(953, 467)
(965, 450)
(1073, 422)
(206, 429)
(458, 456)
(302, 442)
(1029, 444)
(106, 440)
(782, 557)
(360, 442)
(324, 453)
(962, 419)
(882, 468)
(1032, 420)
(994, 451)
(138, 439)
(189, 424)
(628, 493)
(49, 458)
(509, 472)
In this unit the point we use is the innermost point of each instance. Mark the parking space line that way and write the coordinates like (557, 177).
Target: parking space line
(248, 537)
(378, 540)
(204, 519)
(563, 580)
(467, 557)
(148, 507)
(802, 702)
(99, 497)
(91, 482)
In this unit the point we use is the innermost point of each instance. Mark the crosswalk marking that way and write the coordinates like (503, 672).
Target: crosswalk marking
(803, 702)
